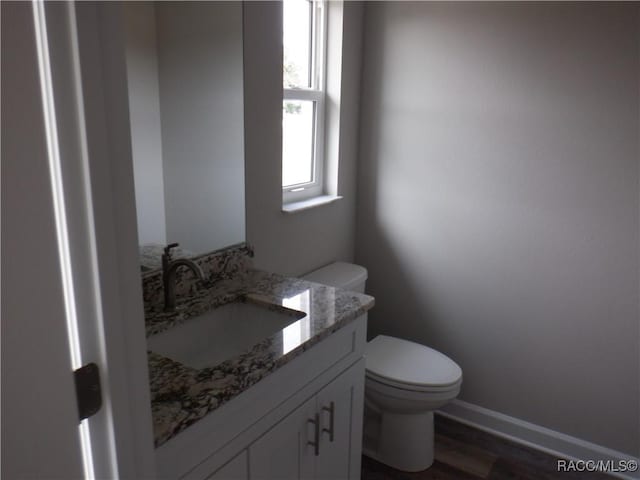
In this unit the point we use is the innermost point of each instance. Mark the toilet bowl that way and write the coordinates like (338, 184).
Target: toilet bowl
(405, 382)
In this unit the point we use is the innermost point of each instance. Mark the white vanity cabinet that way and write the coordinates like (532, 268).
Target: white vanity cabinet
(235, 469)
(284, 451)
(303, 421)
(317, 439)
(339, 455)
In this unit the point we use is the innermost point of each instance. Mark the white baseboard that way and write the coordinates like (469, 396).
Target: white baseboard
(534, 436)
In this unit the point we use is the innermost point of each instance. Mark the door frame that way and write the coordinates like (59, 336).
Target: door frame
(103, 84)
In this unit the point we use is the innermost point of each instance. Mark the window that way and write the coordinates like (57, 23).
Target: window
(303, 104)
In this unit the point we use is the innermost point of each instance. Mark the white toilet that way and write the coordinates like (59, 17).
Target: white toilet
(405, 382)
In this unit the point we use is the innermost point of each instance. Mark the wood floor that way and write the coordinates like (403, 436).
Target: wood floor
(465, 453)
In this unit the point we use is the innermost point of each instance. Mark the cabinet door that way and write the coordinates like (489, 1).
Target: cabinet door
(284, 452)
(340, 405)
(235, 469)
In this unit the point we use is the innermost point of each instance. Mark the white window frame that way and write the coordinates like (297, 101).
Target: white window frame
(316, 94)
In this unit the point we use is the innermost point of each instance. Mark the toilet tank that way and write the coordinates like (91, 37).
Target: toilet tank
(340, 274)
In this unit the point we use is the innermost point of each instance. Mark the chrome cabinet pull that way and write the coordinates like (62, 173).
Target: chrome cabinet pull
(331, 409)
(316, 434)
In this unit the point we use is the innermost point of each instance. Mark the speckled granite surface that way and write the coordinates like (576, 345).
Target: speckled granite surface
(228, 265)
(180, 396)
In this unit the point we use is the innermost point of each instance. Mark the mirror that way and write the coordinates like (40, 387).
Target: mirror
(185, 78)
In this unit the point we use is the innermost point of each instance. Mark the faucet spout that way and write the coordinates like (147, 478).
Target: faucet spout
(169, 268)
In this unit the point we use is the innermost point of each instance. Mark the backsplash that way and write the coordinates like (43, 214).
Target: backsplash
(230, 263)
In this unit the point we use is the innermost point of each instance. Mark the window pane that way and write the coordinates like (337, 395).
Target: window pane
(297, 43)
(297, 142)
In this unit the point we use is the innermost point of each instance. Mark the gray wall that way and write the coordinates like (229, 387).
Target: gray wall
(144, 113)
(294, 243)
(498, 207)
(200, 71)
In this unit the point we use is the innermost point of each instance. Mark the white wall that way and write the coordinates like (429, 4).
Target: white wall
(200, 69)
(294, 243)
(144, 113)
(498, 207)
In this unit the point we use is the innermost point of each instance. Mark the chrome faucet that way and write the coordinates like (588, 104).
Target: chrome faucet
(169, 267)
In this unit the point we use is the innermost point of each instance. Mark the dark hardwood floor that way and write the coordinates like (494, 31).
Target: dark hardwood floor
(465, 453)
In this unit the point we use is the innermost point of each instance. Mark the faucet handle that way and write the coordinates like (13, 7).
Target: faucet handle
(167, 249)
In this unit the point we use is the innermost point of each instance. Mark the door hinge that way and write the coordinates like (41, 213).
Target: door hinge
(88, 392)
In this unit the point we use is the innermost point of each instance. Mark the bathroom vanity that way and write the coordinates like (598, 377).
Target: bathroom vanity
(286, 403)
(258, 375)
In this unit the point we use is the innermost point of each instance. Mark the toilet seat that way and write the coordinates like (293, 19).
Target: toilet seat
(405, 383)
(407, 365)
(413, 388)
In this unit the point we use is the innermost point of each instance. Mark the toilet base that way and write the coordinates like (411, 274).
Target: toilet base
(404, 442)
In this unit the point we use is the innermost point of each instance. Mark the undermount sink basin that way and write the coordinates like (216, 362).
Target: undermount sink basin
(221, 333)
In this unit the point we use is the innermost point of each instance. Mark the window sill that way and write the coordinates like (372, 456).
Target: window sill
(301, 205)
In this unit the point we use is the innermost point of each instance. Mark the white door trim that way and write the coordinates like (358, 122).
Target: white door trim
(87, 94)
(40, 434)
(104, 86)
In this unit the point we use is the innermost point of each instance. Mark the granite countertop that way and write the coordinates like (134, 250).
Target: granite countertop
(180, 395)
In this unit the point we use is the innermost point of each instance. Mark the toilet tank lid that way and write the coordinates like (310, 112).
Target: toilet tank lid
(405, 362)
(339, 274)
